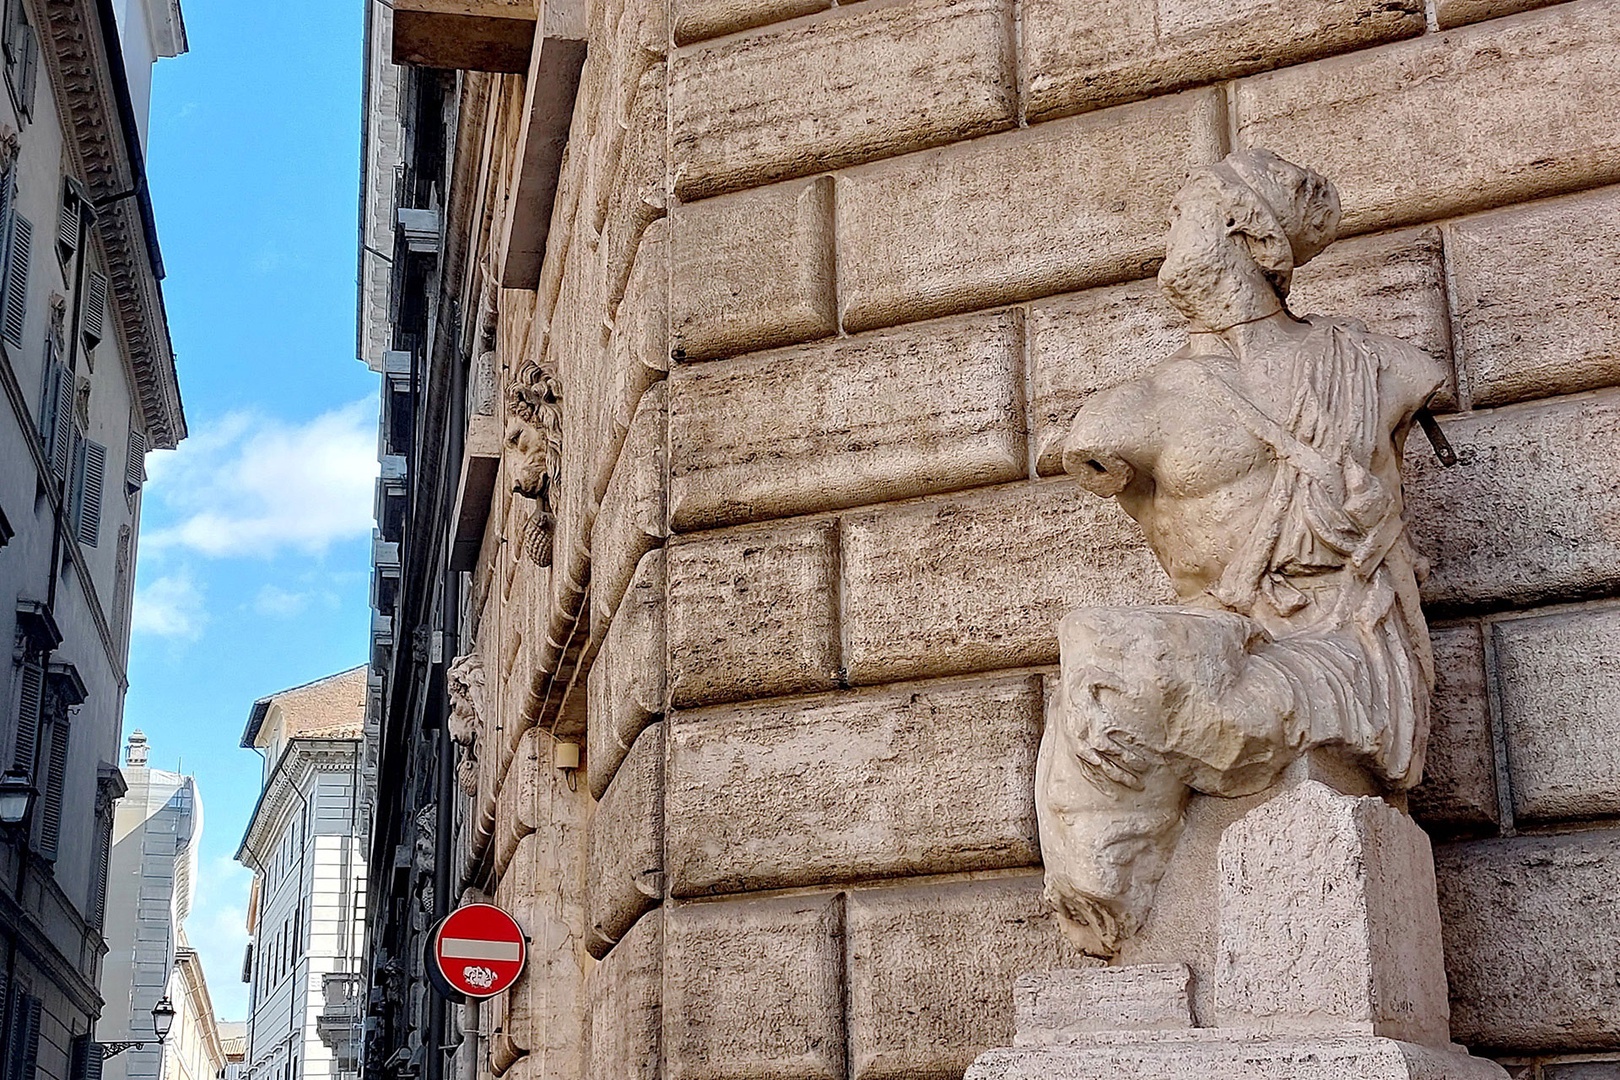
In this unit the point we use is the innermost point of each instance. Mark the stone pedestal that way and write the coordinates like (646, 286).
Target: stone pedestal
(1329, 966)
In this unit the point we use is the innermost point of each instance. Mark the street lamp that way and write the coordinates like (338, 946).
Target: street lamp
(16, 798)
(162, 1018)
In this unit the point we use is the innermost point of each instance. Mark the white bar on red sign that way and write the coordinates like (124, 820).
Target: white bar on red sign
(476, 949)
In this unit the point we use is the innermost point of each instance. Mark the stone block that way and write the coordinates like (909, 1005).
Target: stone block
(626, 683)
(625, 871)
(626, 997)
(1581, 1070)
(639, 178)
(515, 806)
(1558, 677)
(1459, 774)
(979, 581)
(1538, 298)
(1432, 127)
(1328, 920)
(638, 345)
(1086, 56)
(1050, 209)
(550, 906)
(1528, 513)
(752, 270)
(1453, 13)
(932, 967)
(1221, 1055)
(1090, 341)
(1527, 921)
(631, 520)
(699, 19)
(865, 419)
(753, 613)
(1054, 1007)
(930, 779)
(850, 84)
(753, 990)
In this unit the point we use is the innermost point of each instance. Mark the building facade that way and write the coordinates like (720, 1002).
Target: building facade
(728, 351)
(89, 381)
(195, 1049)
(151, 883)
(309, 875)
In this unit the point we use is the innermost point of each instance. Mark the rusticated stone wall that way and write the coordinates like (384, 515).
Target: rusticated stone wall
(803, 601)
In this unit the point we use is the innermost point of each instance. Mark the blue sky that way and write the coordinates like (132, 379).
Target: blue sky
(255, 543)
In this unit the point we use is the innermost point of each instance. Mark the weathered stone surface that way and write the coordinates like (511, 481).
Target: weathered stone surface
(639, 179)
(869, 80)
(753, 613)
(1057, 207)
(1581, 1070)
(630, 522)
(1223, 1055)
(699, 19)
(932, 967)
(1528, 513)
(1436, 126)
(1459, 774)
(515, 806)
(752, 270)
(929, 779)
(638, 347)
(1087, 56)
(1559, 680)
(626, 684)
(976, 582)
(1452, 13)
(754, 990)
(548, 901)
(626, 996)
(1052, 1007)
(1090, 341)
(856, 420)
(1523, 919)
(625, 872)
(1328, 918)
(1537, 294)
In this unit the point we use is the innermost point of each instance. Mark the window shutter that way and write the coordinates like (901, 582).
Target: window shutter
(62, 423)
(67, 222)
(98, 884)
(135, 462)
(24, 1047)
(14, 23)
(14, 319)
(94, 480)
(30, 699)
(93, 320)
(74, 496)
(30, 70)
(50, 818)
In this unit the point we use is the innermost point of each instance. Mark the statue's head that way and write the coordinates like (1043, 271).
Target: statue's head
(1238, 229)
(533, 430)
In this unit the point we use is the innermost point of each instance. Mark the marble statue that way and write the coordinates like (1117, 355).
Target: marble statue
(1262, 462)
(534, 451)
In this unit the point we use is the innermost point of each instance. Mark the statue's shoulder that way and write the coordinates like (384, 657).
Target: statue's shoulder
(1415, 373)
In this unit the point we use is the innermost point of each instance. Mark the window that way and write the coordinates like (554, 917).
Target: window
(89, 479)
(69, 221)
(21, 1042)
(21, 56)
(30, 706)
(53, 755)
(19, 260)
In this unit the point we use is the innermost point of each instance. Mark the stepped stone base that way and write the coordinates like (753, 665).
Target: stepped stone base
(1230, 1054)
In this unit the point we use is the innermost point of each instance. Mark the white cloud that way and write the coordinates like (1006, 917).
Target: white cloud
(170, 606)
(217, 929)
(253, 485)
(277, 602)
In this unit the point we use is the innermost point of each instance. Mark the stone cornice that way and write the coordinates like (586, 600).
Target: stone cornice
(300, 760)
(92, 95)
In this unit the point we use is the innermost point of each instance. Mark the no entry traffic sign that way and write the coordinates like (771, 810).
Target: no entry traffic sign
(478, 950)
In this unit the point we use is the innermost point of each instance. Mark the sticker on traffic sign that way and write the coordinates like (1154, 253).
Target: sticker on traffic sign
(479, 950)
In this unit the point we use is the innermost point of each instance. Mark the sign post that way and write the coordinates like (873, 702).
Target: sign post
(477, 951)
